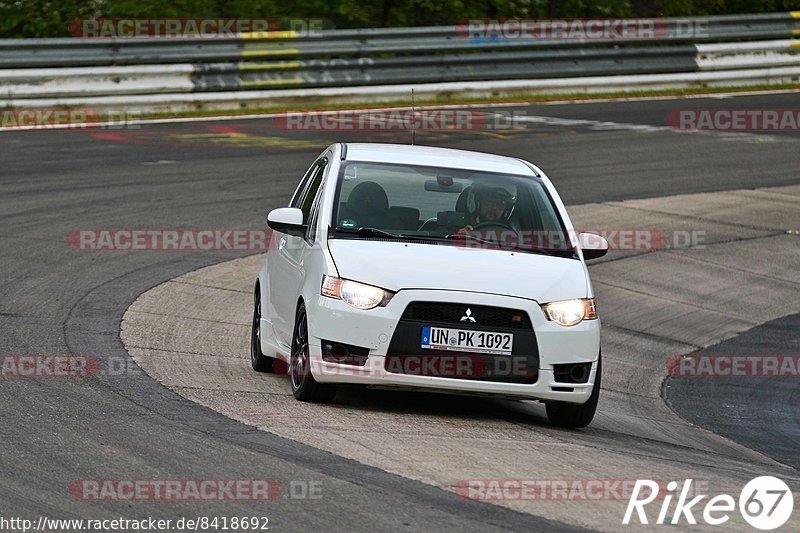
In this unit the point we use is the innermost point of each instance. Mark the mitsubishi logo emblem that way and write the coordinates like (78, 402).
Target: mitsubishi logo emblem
(468, 316)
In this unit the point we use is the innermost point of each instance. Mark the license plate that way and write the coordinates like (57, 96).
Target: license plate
(467, 340)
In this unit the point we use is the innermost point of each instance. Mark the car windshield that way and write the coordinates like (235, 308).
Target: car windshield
(473, 208)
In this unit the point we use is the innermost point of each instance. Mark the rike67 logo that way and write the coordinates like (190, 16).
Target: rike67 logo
(766, 503)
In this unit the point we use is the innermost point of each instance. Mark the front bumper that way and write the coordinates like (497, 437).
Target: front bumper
(334, 320)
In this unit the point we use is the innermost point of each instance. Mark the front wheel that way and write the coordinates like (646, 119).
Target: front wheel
(570, 415)
(304, 387)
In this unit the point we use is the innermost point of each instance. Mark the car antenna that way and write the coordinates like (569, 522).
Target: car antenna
(413, 120)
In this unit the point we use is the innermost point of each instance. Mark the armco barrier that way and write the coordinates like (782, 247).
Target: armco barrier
(36, 72)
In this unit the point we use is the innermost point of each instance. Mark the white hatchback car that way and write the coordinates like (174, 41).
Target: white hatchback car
(430, 269)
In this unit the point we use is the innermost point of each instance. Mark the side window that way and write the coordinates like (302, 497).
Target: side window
(314, 215)
(311, 194)
(297, 197)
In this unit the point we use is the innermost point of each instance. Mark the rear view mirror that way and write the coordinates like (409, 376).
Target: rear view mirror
(441, 185)
(287, 220)
(593, 245)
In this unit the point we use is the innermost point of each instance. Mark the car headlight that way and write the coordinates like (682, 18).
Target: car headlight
(570, 312)
(355, 294)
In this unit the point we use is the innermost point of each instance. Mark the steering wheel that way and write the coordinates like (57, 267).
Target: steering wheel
(493, 224)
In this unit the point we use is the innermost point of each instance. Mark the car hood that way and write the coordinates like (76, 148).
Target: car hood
(399, 265)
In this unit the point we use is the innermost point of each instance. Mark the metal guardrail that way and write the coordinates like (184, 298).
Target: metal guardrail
(63, 68)
(355, 43)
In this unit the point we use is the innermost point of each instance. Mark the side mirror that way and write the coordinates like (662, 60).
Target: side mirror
(593, 245)
(287, 220)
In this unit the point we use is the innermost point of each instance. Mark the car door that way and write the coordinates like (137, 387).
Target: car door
(276, 269)
(285, 264)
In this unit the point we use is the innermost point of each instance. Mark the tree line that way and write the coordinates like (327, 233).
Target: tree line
(52, 18)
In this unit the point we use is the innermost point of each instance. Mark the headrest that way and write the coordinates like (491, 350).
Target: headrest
(367, 198)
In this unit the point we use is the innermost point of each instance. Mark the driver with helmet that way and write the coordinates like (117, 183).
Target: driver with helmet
(492, 204)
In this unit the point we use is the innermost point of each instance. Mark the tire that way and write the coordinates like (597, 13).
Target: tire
(570, 415)
(259, 361)
(304, 387)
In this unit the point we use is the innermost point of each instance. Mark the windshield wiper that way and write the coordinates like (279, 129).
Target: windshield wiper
(471, 237)
(369, 232)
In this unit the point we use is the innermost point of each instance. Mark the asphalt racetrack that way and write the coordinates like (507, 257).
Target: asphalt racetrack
(616, 162)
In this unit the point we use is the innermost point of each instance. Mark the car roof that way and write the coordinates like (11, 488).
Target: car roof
(435, 157)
